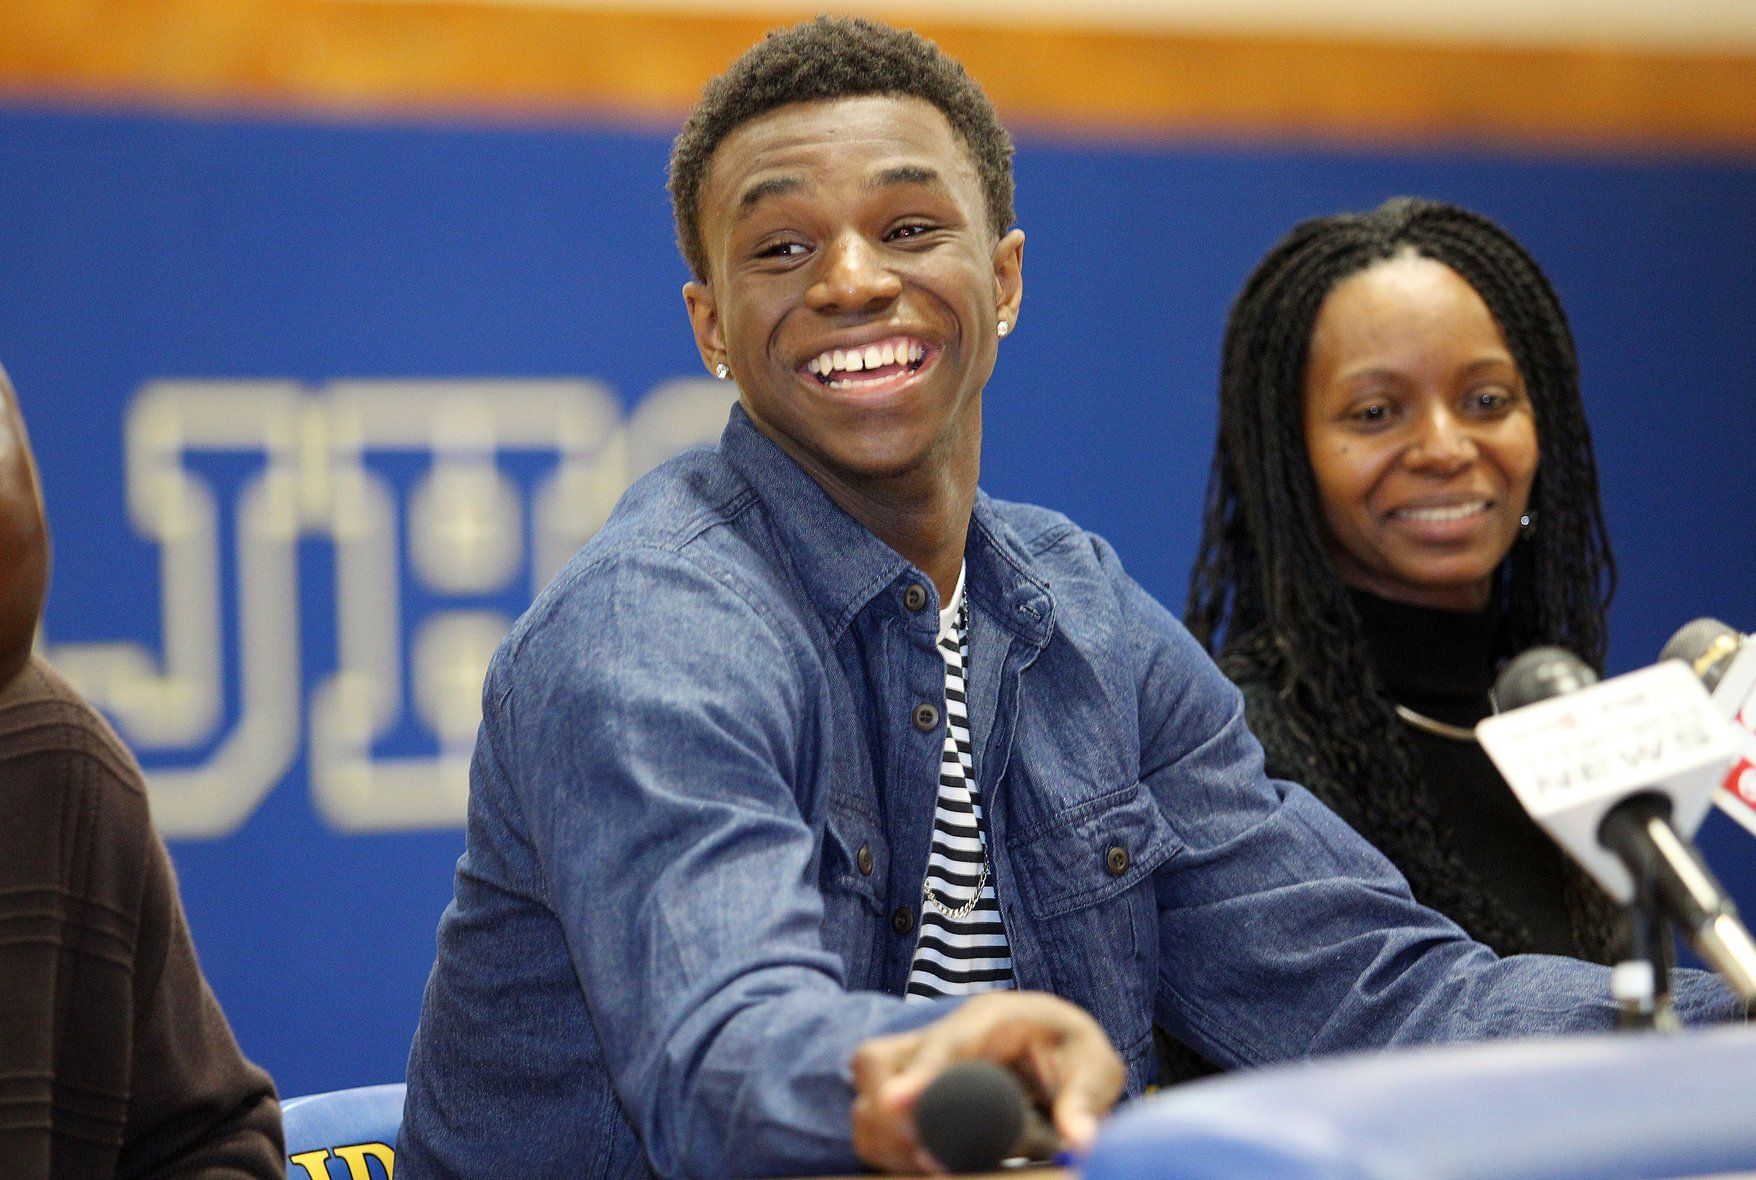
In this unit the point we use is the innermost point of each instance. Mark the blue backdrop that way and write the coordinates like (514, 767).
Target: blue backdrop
(256, 357)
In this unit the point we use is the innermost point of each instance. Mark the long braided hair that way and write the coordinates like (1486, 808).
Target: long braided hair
(1265, 598)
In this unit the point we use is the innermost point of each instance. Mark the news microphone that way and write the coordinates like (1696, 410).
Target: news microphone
(1726, 663)
(1620, 772)
(976, 1114)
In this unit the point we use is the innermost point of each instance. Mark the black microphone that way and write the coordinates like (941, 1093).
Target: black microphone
(1607, 766)
(976, 1114)
(1541, 673)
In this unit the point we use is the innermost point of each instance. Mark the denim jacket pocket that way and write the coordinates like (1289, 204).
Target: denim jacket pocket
(854, 856)
(856, 865)
(1093, 851)
(1086, 879)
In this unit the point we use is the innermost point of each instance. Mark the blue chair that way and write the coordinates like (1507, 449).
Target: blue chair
(1583, 1108)
(344, 1134)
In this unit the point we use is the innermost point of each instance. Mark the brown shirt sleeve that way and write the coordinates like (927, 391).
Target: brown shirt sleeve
(197, 1106)
(128, 1067)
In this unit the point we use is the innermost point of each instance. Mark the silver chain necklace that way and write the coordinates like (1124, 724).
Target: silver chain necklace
(967, 908)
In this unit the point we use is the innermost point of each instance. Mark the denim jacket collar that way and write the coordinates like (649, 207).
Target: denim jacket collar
(843, 566)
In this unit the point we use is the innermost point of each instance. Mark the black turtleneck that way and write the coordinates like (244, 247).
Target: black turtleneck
(1441, 664)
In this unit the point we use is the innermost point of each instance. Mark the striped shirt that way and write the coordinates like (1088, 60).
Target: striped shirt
(962, 946)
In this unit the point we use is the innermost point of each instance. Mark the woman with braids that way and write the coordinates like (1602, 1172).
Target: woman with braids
(1404, 496)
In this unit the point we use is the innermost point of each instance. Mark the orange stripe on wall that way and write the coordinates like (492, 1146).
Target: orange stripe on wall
(488, 59)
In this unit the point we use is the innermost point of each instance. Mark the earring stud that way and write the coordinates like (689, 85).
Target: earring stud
(1003, 327)
(722, 371)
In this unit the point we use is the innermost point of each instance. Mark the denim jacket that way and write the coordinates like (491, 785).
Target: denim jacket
(699, 818)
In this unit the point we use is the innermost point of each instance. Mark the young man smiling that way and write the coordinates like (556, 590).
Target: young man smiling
(837, 233)
(817, 769)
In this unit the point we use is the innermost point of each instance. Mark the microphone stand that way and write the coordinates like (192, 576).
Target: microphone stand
(1641, 983)
(1668, 873)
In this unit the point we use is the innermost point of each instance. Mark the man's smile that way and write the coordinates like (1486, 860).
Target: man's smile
(873, 364)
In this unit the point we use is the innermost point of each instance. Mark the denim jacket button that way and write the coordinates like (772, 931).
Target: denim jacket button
(864, 859)
(903, 920)
(926, 717)
(1117, 860)
(915, 597)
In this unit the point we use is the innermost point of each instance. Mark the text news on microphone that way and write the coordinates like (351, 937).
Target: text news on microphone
(1620, 773)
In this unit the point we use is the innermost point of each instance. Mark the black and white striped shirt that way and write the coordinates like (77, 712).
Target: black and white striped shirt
(962, 946)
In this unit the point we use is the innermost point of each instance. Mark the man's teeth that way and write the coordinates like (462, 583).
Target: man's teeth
(830, 362)
(1440, 515)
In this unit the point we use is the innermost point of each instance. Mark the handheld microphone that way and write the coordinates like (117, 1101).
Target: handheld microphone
(976, 1114)
(1726, 663)
(1619, 773)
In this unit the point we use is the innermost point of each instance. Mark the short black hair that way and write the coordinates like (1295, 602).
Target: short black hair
(1264, 596)
(826, 59)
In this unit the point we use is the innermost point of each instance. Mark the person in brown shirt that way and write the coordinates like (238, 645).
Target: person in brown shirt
(115, 1059)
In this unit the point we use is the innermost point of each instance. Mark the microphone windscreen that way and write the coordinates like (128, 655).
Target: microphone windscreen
(1704, 645)
(972, 1116)
(1538, 674)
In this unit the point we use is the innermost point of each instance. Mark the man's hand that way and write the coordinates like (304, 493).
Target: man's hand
(1059, 1052)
